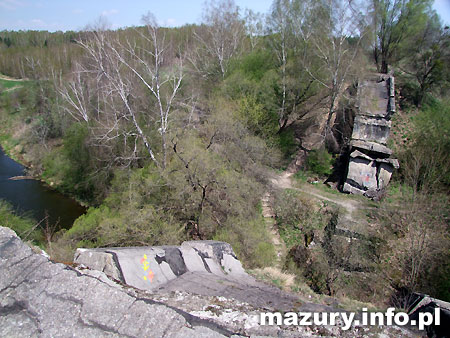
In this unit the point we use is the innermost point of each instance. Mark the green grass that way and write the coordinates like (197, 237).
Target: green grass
(24, 226)
(10, 83)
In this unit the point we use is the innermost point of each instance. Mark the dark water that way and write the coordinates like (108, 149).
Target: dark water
(32, 198)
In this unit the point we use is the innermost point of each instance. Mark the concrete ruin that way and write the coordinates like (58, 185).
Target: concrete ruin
(370, 167)
(149, 268)
(208, 268)
(39, 298)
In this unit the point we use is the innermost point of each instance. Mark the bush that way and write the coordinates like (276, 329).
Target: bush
(250, 241)
(256, 118)
(286, 143)
(297, 217)
(70, 166)
(425, 164)
(320, 162)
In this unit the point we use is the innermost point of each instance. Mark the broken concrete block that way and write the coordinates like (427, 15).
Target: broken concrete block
(98, 260)
(352, 190)
(371, 129)
(148, 268)
(232, 265)
(384, 176)
(370, 168)
(391, 87)
(363, 173)
(192, 260)
(372, 147)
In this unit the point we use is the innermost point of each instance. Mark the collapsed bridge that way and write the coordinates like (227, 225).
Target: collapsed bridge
(370, 167)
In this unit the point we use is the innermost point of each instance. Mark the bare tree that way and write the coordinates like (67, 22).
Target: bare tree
(279, 26)
(151, 74)
(332, 30)
(223, 33)
(116, 67)
(254, 25)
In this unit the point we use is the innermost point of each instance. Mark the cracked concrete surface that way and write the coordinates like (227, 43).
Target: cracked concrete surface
(39, 298)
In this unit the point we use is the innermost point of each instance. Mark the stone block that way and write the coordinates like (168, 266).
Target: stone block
(98, 260)
(371, 129)
(378, 148)
(384, 176)
(363, 172)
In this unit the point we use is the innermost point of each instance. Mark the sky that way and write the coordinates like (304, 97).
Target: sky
(53, 15)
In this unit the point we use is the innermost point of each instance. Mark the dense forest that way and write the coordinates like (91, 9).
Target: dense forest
(169, 134)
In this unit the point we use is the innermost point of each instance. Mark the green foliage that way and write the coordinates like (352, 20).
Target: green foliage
(250, 240)
(425, 62)
(397, 23)
(70, 166)
(102, 227)
(254, 65)
(8, 84)
(256, 117)
(320, 162)
(425, 160)
(253, 82)
(23, 226)
(285, 140)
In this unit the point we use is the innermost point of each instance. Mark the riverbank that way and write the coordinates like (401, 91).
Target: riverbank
(34, 199)
(16, 151)
(30, 156)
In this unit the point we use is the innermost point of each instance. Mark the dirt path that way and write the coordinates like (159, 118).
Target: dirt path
(12, 89)
(7, 78)
(284, 181)
(269, 217)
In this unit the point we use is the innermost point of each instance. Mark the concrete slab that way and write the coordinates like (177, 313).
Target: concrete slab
(371, 129)
(384, 175)
(371, 146)
(192, 260)
(98, 260)
(232, 265)
(363, 172)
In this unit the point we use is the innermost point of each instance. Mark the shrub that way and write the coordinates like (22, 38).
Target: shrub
(425, 164)
(297, 217)
(250, 241)
(320, 162)
(70, 165)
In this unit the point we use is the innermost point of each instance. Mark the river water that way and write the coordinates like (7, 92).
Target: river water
(32, 198)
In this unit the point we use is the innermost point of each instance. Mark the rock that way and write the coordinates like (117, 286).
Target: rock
(101, 261)
(368, 176)
(371, 129)
(208, 268)
(41, 298)
(384, 175)
(362, 173)
(148, 268)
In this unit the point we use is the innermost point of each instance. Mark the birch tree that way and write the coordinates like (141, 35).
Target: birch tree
(254, 26)
(332, 30)
(223, 34)
(296, 87)
(115, 69)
